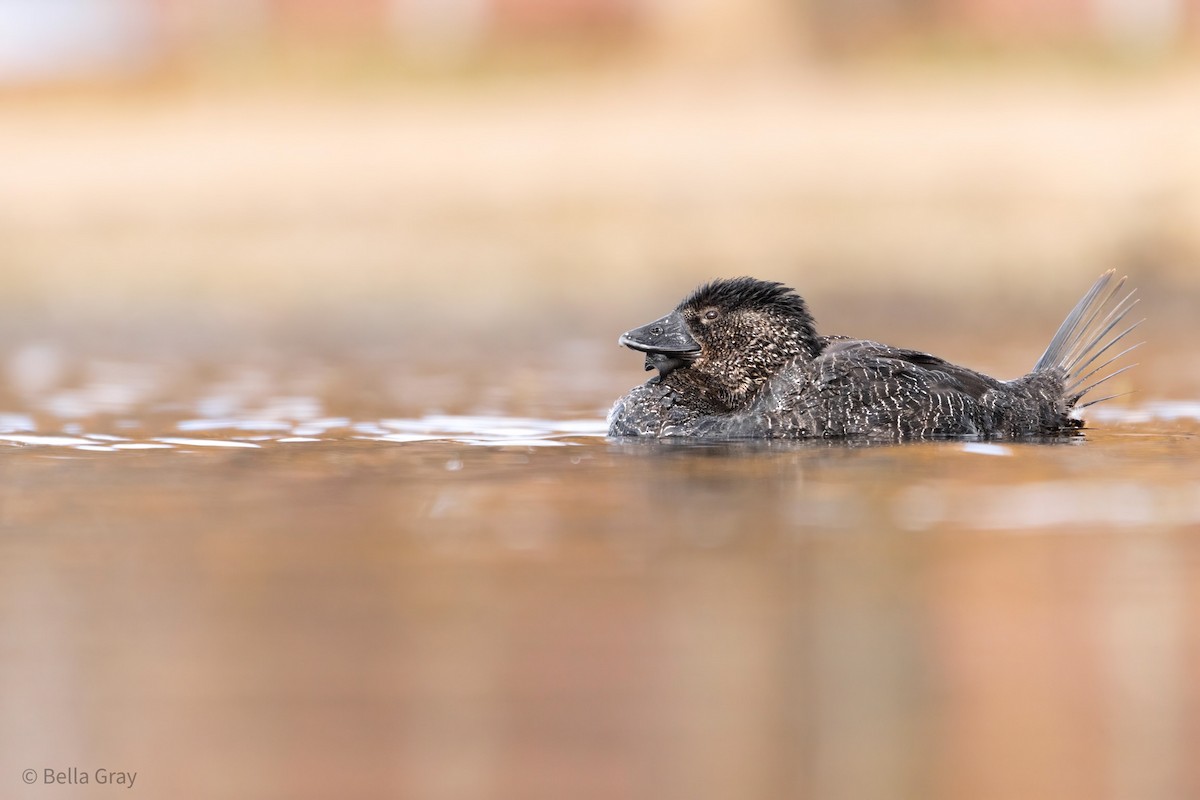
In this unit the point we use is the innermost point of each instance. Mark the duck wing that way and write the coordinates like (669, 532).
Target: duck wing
(882, 371)
(863, 388)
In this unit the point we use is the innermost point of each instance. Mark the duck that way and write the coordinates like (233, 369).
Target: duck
(741, 358)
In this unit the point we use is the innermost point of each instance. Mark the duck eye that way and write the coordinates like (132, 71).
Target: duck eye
(711, 314)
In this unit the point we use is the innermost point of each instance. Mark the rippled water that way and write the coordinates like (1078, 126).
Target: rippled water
(327, 581)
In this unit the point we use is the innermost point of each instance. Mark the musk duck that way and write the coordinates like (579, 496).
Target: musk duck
(741, 359)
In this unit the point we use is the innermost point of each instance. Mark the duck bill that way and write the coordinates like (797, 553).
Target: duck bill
(667, 343)
(669, 336)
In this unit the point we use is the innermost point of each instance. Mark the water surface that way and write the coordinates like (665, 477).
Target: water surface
(307, 579)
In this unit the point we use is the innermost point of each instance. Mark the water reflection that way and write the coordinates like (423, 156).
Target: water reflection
(313, 600)
(710, 490)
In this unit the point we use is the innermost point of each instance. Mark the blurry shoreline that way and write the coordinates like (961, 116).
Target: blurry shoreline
(485, 203)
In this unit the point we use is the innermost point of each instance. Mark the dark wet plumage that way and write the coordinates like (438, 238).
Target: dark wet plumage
(741, 358)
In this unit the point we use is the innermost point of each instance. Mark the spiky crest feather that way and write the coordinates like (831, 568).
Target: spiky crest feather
(730, 294)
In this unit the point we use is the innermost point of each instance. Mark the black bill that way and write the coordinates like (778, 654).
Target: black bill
(667, 343)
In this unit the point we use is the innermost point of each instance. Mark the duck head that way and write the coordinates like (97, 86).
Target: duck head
(730, 335)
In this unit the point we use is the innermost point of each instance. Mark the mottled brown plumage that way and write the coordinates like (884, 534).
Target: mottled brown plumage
(741, 359)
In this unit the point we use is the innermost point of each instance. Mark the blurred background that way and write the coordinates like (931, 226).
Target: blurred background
(453, 165)
(303, 301)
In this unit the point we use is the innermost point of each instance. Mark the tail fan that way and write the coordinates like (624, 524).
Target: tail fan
(1087, 334)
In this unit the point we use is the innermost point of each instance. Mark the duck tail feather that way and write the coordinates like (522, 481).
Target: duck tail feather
(1087, 334)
